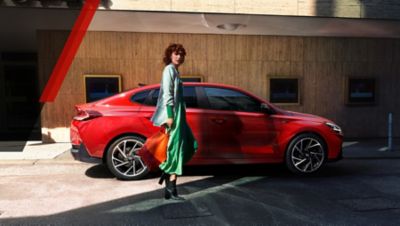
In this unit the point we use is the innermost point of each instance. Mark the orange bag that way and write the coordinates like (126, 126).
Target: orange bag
(154, 150)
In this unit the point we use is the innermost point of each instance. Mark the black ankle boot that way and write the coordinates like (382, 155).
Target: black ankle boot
(164, 176)
(171, 192)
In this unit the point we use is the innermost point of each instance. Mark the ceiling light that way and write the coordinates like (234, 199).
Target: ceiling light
(230, 26)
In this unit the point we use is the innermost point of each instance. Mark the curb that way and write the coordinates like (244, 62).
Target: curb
(38, 161)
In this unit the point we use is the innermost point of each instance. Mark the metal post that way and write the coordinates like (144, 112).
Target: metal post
(390, 132)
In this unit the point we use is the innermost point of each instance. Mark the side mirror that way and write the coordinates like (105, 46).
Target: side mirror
(265, 108)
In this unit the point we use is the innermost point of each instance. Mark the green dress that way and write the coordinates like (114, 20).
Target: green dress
(182, 144)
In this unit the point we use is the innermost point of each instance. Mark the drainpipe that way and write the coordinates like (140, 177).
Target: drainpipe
(390, 132)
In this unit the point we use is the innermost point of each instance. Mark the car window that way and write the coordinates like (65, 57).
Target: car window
(154, 98)
(227, 99)
(189, 95)
(140, 97)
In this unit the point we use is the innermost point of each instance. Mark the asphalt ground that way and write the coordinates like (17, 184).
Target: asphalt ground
(361, 189)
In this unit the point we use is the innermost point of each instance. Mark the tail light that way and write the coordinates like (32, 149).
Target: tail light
(86, 114)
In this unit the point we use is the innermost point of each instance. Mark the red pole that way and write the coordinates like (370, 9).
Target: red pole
(69, 51)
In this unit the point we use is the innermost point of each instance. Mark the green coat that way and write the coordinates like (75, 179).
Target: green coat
(182, 144)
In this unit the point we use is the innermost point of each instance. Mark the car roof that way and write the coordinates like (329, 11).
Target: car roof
(191, 84)
(133, 91)
(219, 85)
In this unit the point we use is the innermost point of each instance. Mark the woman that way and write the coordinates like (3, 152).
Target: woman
(171, 113)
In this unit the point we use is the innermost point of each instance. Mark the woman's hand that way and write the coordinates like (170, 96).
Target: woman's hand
(169, 122)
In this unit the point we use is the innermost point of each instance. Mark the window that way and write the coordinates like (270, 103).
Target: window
(101, 86)
(140, 97)
(284, 90)
(191, 78)
(189, 96)
(154, 97)
(361, 91)
(227, 99)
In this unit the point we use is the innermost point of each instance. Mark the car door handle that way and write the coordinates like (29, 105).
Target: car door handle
(218, 120)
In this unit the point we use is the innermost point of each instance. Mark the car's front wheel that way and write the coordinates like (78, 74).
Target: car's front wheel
(122, 160)
(305, 154)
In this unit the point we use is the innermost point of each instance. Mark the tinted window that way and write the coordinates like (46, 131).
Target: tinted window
(361, 90)
(227, 99)
(154, 97)
(101, 87)
(189, 96)
(140, 97)
(284, 90)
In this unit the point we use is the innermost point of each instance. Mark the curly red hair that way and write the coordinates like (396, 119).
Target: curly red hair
(173, 48)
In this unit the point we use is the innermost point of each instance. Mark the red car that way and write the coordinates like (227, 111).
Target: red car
(232, 126)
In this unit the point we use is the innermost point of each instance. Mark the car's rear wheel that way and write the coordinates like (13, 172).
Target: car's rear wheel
(306, 154)
(122, 160)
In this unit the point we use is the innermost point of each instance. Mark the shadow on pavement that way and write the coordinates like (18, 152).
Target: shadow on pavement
(247, 194)
(246, 170)
(99, 172)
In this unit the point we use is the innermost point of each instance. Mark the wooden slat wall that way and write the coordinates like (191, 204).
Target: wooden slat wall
(321, 64)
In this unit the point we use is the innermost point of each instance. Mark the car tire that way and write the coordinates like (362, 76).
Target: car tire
(122, 161)
(306, 154)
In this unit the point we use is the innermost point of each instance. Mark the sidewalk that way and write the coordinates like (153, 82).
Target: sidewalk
(35, 151)
(371, 148)
(32, 152)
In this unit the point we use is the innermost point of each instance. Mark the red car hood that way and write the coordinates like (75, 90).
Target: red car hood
(298, 115)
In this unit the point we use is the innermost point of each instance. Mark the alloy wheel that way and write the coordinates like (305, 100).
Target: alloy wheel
(124, 159)
(307, 155)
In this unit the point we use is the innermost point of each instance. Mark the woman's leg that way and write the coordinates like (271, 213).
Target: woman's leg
(172, 177)
(171, 191)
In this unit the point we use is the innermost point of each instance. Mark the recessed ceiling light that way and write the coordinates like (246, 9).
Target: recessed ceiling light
(230, 27)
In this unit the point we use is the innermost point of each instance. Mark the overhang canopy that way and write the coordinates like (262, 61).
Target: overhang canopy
(19, 25)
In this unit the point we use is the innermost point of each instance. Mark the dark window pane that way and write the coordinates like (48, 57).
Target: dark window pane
(361, 90)
(284, 91)
(189, 95)
(154, 98)
(140, 97)
(226, 99)
(189, 79)
(98, 87)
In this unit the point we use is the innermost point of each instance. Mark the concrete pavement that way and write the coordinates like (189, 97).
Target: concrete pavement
(363, 189)
(350, 192)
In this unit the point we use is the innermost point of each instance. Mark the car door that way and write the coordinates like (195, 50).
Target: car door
(194, 116)
(240, 129)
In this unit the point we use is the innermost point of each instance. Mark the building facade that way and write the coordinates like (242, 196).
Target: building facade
(340, 59)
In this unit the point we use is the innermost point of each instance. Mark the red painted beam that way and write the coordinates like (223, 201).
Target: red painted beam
(69, 51)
